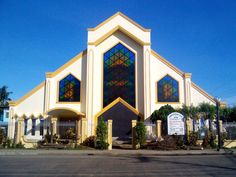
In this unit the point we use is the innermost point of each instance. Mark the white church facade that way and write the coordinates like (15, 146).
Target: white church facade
(117, 77)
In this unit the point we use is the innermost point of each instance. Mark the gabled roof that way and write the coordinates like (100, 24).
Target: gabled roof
(124, 16)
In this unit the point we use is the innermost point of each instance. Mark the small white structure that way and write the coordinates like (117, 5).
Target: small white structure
(117, 77)
(176, 124)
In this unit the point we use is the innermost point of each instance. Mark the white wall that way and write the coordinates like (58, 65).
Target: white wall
(158, 71)
(33, 105)
(77, 69)
(197, 97)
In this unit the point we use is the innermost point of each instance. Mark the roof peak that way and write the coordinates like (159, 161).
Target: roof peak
(122, 15)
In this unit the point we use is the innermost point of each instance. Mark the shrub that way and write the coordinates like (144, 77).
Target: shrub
(70, 133)
(208, 140)
(169, 142)
(89, 141)
(101, 145)
(1, 136)
(101, 133)
(20, 145)
(192, 139)
(140, 130)
(55, 138)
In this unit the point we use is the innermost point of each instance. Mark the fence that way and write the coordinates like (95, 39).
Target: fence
(231, 130)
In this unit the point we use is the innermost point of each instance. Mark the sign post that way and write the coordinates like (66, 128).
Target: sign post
(176, 124)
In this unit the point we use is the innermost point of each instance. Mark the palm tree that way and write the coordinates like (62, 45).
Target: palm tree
(208, 111)
(4, 96)
(190, 112)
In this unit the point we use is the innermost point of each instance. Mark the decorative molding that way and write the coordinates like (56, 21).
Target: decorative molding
(64, 108)
(203, 92)
(12, 103)
(122, 15)
(70, 62)
(49, 74)
(188, 75)
(112, 31)
(181, 73)
(15, 103)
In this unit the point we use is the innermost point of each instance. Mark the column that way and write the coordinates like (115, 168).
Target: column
(90, 88)
(187, 88)
(78, 131)
(188, 125)
(221, 126)
(147, 83)
(20, 130)
(109, 135)
(158, 128)
(54, 126)
(84, 129)
(134, 123)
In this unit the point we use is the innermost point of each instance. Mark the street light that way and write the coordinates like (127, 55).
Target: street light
(217, 100)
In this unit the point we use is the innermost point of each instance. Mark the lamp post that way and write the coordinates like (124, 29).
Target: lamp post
(218, 122)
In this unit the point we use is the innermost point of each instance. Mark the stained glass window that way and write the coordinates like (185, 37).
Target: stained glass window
(69, 89)
(168, 90)
(119, 75)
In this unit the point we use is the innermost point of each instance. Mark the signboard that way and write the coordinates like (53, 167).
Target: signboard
(176, 124)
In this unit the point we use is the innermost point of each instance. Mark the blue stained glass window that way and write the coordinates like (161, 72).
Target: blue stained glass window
(168, 90)
(69, 89)
(119, 75)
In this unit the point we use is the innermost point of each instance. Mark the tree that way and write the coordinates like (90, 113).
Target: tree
(232, 115)
(207, 110)
(189, 111)
(162, 113)
(225, 113)
(4, 96)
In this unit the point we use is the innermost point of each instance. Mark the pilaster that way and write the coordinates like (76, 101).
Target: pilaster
(54, 125)
(90, 88)
(147, 82)
(187, 88)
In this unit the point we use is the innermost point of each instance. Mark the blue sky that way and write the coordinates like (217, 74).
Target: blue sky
(198, 36)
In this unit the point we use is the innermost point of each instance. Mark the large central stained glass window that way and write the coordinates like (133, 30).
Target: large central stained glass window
(119, 75)
(69, 89)
(168, 90)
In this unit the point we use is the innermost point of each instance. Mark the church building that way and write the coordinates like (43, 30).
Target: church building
(118, 77)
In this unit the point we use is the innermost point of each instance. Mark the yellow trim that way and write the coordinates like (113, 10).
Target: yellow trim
(188, 75)
(118, 28)
(15, 103)
(167, 63)
(67, 102)
(49, 74)
(135, 111)
(122, 15)
(71, 61)
(12, 103)
(203, 92)
(68, 109)
(156, 86)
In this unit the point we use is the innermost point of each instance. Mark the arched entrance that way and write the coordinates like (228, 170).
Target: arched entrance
(122, 115)
(65, 119)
